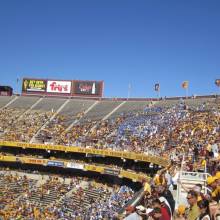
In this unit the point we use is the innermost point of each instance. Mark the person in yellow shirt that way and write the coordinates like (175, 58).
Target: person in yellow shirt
(147, 188)
(193, 211)
(214, 188)
(160, 179)
(217, 175)
(217, 189)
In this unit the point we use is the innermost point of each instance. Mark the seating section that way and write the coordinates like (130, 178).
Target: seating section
(11, 187)
(24, 128)
(95, 200)
(4, 100)
(8, 118)
(99, 111)
(74, 108)
(172, 129)
(23, 102)
(137, 126)
(58, 198)
(47, 193)
(49, 104)
(131, 106)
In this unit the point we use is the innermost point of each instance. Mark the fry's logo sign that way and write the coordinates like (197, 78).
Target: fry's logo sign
(59, 86)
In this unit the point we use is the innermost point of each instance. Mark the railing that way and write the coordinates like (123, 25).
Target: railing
(134, 201)
(190, 179)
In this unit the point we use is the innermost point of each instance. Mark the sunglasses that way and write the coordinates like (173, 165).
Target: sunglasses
(201, 207)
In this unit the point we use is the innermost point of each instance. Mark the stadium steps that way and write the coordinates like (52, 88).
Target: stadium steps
(131, 106)
(114, 110)
(107, 116)
(4, 100)
(75, 109)
(28, 110)
(47, 199)
(100, 110)
(85, 113)
(33, 139)
(73, 201)
(11, 101)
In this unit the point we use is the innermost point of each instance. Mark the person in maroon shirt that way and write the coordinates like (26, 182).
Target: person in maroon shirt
(164, 212)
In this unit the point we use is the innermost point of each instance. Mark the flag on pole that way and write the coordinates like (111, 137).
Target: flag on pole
(157, 87)
(217, 82)
(185, 84)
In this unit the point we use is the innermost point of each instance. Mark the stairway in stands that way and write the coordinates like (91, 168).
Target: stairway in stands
(48, 197)
(86, 198)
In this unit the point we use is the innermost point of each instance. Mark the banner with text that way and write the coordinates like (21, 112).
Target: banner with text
(62, 87)
(75, 165)
(55, 163)
(113, 172)
(34, 85)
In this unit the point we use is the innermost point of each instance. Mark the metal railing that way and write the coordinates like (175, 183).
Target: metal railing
(190, 178)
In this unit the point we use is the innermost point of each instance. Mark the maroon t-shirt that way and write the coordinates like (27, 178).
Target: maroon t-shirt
(165, 214)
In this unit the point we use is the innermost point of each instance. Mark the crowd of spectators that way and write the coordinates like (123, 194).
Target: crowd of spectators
(104, 204)
(159, 131)
(176, 133)
(158, 202)
(60, 198)
(8, 118)
(17, 125)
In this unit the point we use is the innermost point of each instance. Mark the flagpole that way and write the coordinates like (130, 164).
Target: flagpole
(17, 80)
(129, 90)
(187, 91)
(157, 89)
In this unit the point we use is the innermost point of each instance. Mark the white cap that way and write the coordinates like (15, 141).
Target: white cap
(162, 199)
(140, 207)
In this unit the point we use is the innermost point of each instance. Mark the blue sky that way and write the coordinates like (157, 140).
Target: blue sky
(141, 42)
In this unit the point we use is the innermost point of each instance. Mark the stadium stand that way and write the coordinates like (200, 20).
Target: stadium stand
(182, 131)
(23, 102)
(4, 100)
(102, 109)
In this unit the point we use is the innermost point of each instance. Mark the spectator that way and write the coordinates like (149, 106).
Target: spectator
(165, 215)
(204, 210)
(132, 214)
(193, 211)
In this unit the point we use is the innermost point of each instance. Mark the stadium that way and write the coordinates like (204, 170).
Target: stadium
(66, 152)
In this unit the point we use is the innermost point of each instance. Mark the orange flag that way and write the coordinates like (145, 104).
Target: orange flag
(185, 84)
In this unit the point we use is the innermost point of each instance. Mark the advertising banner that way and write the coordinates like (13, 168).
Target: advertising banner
(75, 165)
(93, 88)
(58, 86)
(94, 168)
(55, 163)
(128, 155)
(34, 85)
(34, 161)
(113, 172)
